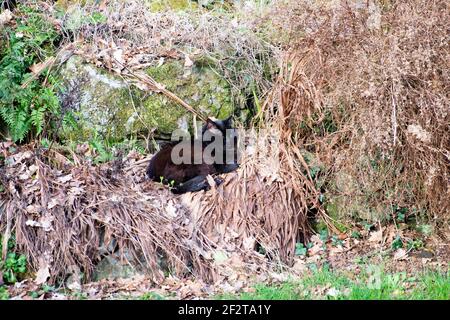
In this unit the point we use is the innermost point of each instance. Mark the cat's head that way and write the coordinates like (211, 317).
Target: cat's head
(218, 127)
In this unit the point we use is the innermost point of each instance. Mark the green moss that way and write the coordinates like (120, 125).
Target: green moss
(103, 105)
(111, 268)
(199, 87)
(64, 4)
(160, 5)
(319, 226)
(332, 209)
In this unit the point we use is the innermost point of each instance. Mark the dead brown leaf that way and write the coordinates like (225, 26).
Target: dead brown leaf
(400, 254)
(42, 275)
(376, 236)
(5, 17)
(187, 61)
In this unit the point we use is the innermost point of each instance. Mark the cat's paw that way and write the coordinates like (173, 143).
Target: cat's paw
(218, 181)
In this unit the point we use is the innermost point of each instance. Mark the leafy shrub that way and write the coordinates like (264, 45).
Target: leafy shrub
(30, 41)
(4, 295)
(15, 264)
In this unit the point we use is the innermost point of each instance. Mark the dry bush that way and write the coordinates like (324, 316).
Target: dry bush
(229, 42)
(265, 205)
(368, 85)
(67, 214)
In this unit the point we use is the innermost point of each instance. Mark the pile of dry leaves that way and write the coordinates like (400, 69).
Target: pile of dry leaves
(66, 214)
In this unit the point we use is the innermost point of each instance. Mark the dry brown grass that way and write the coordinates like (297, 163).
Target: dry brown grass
(368, 85)
(65, 214)
(230, 43)
(265, 203)
(62, 214)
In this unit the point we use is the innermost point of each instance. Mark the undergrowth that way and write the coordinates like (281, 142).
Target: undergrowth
(372, 284)
(14, 266)
(365, 87)
(30, 40)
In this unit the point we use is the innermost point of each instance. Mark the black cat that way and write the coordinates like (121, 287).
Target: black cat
(219, 140)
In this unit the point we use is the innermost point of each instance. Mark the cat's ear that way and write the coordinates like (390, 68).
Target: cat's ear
(228, 122)
(210, 124)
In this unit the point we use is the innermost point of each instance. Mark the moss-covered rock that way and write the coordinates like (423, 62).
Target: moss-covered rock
(103, 104)
(349, 199)
(113, 268)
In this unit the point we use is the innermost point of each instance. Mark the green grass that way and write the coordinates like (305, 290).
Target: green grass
(151, 296)
(371, 284)
(3, 293)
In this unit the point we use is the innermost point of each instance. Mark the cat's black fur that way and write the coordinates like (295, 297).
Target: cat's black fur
(192, 177)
